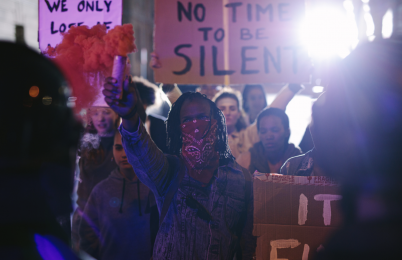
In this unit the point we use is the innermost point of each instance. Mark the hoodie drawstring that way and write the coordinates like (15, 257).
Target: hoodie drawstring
(122, 196)
(139, 196)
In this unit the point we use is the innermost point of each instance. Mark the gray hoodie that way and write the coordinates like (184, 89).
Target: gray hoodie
(116, 220)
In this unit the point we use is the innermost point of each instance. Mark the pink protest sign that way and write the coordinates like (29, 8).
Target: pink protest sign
(56, 16)
(230, 42)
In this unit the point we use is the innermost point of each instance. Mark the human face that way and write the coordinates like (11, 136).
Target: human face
(119, 154)
(191, 112)
(255, 100)
(230, 110)
(103, 120)
(272, 133)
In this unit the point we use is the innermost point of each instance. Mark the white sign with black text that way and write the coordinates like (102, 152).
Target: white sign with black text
(57, 16)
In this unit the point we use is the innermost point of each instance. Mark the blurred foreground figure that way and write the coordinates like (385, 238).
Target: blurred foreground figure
(359, 128)
(38, 140)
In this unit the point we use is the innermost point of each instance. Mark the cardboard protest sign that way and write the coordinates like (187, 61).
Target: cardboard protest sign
(294, 215)
(230, 42)
(56, 16)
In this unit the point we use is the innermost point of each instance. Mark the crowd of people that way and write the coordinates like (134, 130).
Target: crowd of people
(181, 186)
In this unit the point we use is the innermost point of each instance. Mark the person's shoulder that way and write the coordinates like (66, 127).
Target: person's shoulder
(101, 187)
(244, 159)
(237, 170)
(295, 159)
(291, 165)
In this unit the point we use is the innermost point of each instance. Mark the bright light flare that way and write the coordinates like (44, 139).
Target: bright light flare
(330, 31)
(387, 24)
(318, 89)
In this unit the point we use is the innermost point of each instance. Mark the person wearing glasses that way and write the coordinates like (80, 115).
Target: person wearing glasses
(204, 197)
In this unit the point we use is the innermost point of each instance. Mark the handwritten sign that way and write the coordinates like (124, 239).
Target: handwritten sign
(56, 16)
(230, 41)
(294, 215)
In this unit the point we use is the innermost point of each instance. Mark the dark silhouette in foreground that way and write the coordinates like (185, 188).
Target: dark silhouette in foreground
(38, 140)
(358, 126)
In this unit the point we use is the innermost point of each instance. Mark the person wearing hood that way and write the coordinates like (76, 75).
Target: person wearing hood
(274, 149)
(116, 220)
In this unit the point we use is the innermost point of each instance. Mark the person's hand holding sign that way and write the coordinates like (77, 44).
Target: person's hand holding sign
(129, 107)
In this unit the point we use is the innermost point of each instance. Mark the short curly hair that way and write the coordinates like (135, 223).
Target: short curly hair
(174, 136)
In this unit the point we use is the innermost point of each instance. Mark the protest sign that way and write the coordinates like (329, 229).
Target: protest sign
(56, 16)
(230, 42)
(294, 215)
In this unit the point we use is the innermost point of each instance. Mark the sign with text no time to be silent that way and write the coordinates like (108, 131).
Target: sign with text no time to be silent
(56, 16)
(230, 41)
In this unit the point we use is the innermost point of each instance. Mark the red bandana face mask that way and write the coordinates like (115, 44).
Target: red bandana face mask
(199, 146)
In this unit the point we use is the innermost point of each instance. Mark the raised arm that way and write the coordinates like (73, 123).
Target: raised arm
(250, 134)
(152, 167)
(285, 95)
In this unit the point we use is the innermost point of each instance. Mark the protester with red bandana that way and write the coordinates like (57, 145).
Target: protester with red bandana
(204, 197)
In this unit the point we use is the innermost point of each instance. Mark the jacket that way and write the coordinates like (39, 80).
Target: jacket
(301, 165)
(91, 173)
(116, 220)
(255, 160)
(183, 234)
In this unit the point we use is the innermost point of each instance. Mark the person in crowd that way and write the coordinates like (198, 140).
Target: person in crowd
(358, 126)
(209, 90)
(116, 219)
(96, 158)
(254, 101)
(242, 136)
(38, 141)
(154, 124)
(204, 197)
(304, 165)
(96, 152)
(172, 91)
(274, 149)
(239, 136)
(156, 128)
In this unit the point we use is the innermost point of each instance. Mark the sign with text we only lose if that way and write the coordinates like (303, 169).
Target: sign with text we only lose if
(294, 215)
(230, 41)
(57, 16)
